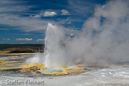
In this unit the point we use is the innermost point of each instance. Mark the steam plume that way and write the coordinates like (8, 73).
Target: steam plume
(104, 36)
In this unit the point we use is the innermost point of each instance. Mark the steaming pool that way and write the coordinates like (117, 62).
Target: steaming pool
(114, 75)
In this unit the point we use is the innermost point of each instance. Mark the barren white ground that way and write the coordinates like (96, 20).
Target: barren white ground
(112, 76)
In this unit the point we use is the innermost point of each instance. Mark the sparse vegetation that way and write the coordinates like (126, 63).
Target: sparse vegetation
(21, 48)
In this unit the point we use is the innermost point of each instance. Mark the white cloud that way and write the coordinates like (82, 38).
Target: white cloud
(26, 34)
(71, 34)
(6, 39)
(24, 39)
(7, 17)
(40, 40)
(37, 16)
(45, 14)
(23, 23)
(12, 6)
(69, 22)
(65, 12)
(50, 14)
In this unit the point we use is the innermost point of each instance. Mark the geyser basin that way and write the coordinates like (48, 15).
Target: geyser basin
(18, 65)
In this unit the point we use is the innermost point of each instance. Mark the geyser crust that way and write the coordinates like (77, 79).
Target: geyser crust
(64, 70)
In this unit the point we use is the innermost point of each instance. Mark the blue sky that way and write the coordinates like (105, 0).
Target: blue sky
(25, 21)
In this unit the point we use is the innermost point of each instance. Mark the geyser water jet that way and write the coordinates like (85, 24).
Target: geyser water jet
(54, 51)
(53, 48)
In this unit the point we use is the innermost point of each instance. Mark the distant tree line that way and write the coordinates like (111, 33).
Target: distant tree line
(22, 48)
(22, 51)
(4, 46)
(25, 51)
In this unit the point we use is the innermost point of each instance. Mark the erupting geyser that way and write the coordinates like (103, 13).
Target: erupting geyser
(53, 52)
(53, 59)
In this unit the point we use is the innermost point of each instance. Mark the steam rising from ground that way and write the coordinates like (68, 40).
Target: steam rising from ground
(104, 38)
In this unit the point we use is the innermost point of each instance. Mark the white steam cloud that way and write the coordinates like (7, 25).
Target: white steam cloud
(104, 37)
